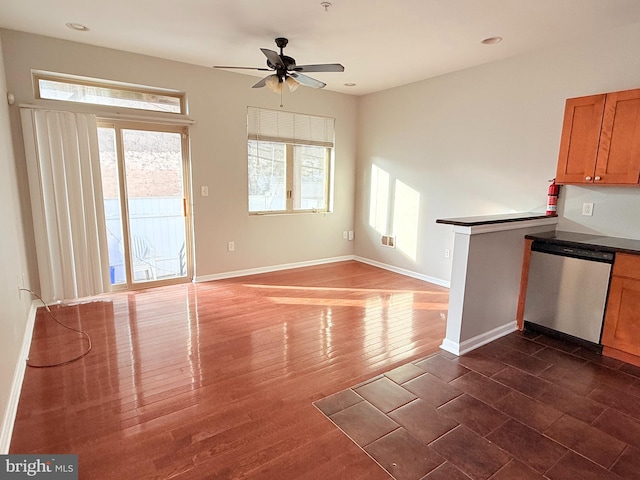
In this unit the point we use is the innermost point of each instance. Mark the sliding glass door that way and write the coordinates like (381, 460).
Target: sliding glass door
(144, 176)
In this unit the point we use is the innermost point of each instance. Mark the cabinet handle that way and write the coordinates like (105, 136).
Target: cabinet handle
(597, 179)
(588, 179)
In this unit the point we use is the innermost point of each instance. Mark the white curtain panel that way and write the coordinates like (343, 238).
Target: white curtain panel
(63, 164)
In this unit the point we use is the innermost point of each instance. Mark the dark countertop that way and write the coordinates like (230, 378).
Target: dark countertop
(493, 219)
(591, 241)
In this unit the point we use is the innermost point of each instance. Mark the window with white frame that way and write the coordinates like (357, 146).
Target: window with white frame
(289, 160)
(71, 88)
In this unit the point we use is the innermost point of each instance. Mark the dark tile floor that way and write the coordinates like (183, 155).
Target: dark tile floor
(525, 406)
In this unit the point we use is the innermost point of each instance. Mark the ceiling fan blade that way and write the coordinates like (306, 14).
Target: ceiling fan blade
(261, 83)
(323, 67)
(308, 81)
(273, 57)
(244, 68)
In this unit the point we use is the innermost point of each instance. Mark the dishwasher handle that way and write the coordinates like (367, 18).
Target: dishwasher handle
(574, 252)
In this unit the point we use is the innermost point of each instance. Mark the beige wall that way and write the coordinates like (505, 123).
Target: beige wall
(15, 307)
(485, 140)
(478, 141)
(218, 103)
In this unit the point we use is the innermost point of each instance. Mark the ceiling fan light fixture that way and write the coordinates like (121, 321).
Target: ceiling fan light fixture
(292, 83)
(273, 83)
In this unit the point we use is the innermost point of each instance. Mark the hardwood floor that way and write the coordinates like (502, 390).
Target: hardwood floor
(216, 380)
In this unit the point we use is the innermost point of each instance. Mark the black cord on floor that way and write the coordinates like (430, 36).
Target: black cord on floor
(82, 355)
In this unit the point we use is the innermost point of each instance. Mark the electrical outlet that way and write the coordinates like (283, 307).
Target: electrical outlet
(232, 246)
(204, 191)
(345, 235)
(350, 234)
(388, 241)
(587, 209)
(447, 253)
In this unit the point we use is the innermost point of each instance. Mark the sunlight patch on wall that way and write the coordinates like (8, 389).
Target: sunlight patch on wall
(406, 213)
(379, 199)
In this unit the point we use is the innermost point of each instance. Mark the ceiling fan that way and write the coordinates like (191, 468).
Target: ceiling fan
(286, 71)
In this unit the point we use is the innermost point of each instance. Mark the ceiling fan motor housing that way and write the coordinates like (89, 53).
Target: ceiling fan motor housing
(289, 63)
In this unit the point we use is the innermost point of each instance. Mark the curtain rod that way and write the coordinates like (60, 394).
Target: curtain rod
(178, 120)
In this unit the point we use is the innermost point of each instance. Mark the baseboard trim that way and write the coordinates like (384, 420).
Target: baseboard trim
(269, 269)
(288, 266)
(402, 271)
(16, 387)
(477, 341)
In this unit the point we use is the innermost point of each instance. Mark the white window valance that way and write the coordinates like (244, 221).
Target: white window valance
(287, 127)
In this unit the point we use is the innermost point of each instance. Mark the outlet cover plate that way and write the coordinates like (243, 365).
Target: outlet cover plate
(587, 209)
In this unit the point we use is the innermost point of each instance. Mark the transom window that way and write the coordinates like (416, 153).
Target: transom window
(289, 157)
(69, 88)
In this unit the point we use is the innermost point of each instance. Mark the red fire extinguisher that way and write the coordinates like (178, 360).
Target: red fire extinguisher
(552, 198)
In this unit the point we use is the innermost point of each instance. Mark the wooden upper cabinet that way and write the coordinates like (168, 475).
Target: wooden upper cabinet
(601, 140)
(619, 150)
(580, 137)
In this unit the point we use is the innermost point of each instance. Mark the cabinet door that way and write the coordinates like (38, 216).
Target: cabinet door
(622, 322)
(618, 159)
(579, 142)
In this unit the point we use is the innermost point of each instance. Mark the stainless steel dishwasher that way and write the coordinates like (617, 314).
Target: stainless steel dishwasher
(567, 290)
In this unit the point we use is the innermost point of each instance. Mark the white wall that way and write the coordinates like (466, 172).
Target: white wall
(485, 140)
(218, 103)
(14, 309)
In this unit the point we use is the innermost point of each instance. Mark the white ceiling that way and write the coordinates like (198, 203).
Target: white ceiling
(381, 43)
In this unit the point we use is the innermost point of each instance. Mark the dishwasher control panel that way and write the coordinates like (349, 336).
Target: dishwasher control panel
(575, 252)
